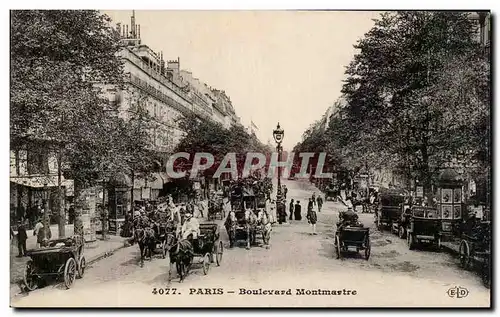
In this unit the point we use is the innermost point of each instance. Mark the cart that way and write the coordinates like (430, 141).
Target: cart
(388, 211)
(209, 247)
(425, 227)
(475, 251)
(216, 208)
(239, 228)
(356, 238)
(62, 258)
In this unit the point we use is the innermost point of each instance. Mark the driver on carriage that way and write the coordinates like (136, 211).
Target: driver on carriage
(190, 227)
(347, 218)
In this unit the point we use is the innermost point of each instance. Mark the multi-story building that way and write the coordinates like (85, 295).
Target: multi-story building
(151, 82)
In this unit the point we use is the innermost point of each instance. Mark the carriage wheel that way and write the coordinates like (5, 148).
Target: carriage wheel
(401, 232)
(81, 266)
(368, 249)
(164, 249)
(69, 272)
(485, 272)
(337, 247)
(29, 278)
(218, 253)
(464, 252)
(206, 263)
(438, 244)
(410, 240)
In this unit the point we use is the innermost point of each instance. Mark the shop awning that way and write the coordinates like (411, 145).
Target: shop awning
(41, 181)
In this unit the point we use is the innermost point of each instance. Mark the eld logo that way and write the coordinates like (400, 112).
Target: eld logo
(458, 292)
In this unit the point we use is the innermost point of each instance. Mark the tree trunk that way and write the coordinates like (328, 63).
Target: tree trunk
(132, 192)
(426, 179)
(60, 199)
(78, 204)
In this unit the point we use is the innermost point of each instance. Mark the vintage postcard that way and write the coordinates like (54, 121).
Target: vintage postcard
(250, 158)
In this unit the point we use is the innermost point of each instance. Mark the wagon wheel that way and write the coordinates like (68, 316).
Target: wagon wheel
(30, 280)
(82, 264)
(206, 263)
(368, 249)
(410, 241)
(337, 247)
(69, 272)
(485, 272)
(401, 232)
(438, 244)
(164, 248)
(464, 252)
(219, 250)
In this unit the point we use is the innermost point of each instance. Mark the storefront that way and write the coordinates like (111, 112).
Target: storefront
(28, 192)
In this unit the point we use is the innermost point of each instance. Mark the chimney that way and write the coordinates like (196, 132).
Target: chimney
(178, 63)
(123, 31)
(128, 35)
(132, 24)
(119, 28)
(138, 31)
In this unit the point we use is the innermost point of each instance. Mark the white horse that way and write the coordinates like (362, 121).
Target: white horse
(265, 226)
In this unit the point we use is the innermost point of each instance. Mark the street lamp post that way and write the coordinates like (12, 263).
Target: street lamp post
(104, 215)
(45, 219)
(278, 135)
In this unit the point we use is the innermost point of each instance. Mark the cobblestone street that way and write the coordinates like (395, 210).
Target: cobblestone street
(296, 260)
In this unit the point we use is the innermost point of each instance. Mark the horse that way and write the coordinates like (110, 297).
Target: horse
(181, 253)
(250, 226)
(145, 237)
(265, 226)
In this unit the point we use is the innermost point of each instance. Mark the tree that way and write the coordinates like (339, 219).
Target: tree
(211, 137)
(63, 62)
(392, 111)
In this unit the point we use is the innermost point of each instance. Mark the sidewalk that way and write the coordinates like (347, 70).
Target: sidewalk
(93, 252)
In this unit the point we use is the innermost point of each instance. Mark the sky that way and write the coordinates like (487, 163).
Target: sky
(276, 66)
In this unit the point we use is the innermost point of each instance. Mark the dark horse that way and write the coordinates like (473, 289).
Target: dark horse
(145, 237)
(181, 253)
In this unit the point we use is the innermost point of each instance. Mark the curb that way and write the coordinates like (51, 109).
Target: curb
(106, 254)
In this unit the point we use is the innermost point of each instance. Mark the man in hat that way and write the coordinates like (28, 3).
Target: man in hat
(347, 218)
(22, 236)
(190, 227)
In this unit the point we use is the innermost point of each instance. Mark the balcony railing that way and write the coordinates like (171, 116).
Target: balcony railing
(141, 84)
(133, 58)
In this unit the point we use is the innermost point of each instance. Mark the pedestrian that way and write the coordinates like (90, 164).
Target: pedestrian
(319, 202)
(36, 232)
(312, 218)
(285, 190)
(22, 236)
(313, 199)
(291, 209)
(310, 204)
(20, 212)
(297, 211)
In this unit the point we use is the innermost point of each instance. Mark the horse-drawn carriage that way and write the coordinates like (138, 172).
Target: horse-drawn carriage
(216, 207)
(388, 212)
(63, 258)
(243, 221)
(332, 192)
(207, 248)
(424, 227)
(475, 251)
(352, 238)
